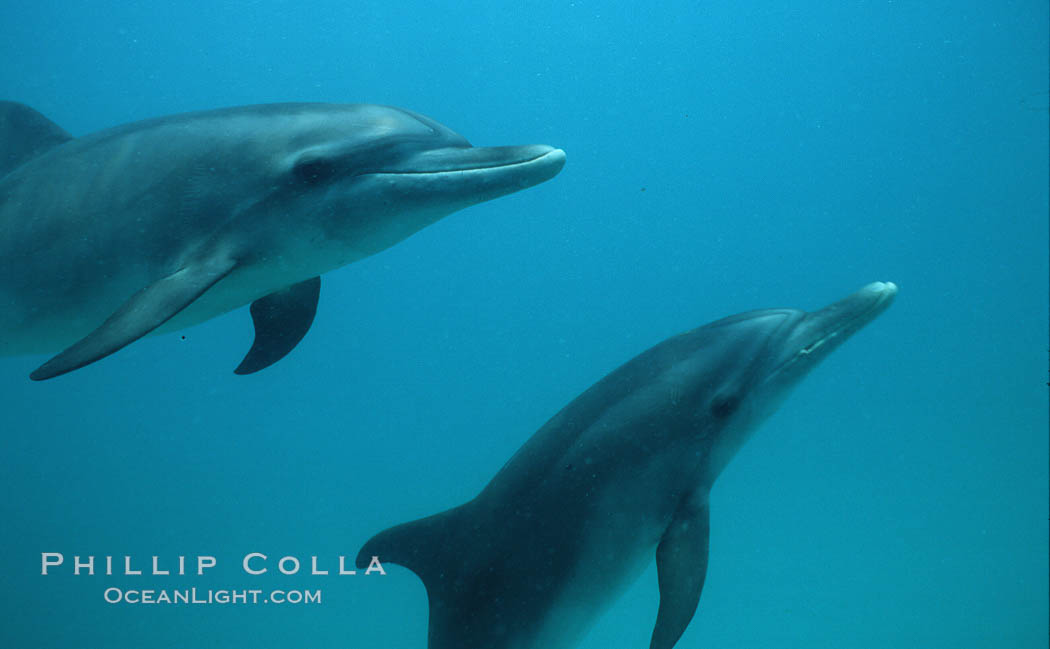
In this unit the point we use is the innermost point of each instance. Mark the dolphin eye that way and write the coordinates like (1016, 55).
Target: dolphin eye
(724, 406)
(313, 170)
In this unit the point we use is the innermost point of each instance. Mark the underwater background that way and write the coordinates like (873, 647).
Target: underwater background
(721, 157)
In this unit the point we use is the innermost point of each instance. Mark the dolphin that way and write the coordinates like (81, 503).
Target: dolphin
(162, 224)
(621, 474)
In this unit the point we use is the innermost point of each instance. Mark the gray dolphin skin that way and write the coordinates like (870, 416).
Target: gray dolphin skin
(166, 223)
(620, 475)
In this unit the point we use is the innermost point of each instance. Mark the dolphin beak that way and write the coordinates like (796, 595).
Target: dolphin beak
(854, 311)
(471, 175)
(476, 158)
(821, 332)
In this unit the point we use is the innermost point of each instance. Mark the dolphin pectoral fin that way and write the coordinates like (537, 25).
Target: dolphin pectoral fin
(142, 313)
(281, 320)
(681, 565)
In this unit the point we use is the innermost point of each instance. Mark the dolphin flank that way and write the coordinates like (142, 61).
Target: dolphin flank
(166, 223)
(619, 476)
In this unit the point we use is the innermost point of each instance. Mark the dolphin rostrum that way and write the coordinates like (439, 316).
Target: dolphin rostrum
(162, 224)
(621, 474)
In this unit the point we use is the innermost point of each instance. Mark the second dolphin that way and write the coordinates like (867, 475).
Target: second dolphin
(620, 475)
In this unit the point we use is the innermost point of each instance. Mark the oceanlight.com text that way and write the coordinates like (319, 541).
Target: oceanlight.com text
(194, 595)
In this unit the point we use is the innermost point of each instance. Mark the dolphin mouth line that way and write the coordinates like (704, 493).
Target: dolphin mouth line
(887, 291)
(556, 153)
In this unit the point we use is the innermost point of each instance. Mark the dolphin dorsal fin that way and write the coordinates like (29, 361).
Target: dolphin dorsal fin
(437, 549)
(25, 134)
(423, 546)
(281, 320)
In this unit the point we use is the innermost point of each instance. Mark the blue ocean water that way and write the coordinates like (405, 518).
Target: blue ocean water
(720, 158)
